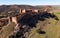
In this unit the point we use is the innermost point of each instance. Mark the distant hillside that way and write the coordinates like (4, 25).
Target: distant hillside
(6, 8)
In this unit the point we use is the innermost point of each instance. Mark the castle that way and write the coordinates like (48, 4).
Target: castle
(21, 12)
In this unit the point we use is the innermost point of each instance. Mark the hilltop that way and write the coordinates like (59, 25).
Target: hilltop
(25, 21)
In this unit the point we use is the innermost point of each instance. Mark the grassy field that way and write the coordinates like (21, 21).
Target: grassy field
(57, 12)
(7, 30)
(52, 30)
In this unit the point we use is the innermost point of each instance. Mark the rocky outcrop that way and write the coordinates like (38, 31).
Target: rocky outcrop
(29, 21)
(25, 19)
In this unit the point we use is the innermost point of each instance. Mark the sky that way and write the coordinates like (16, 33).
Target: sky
(30, 2)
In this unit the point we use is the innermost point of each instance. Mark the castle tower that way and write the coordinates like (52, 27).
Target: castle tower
(14, 19)
(35, 10)
(9, 19)
(23, 10)
(20, 11)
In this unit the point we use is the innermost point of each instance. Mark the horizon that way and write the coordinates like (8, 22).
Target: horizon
(30, 2)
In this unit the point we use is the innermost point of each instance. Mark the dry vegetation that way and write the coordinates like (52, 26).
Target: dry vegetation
(7, 30)
(52, 30)
(50, 26)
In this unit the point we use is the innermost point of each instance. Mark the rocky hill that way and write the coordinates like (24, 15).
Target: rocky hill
(30, 24)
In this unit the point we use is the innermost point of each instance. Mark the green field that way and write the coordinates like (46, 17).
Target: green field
(57, 12)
